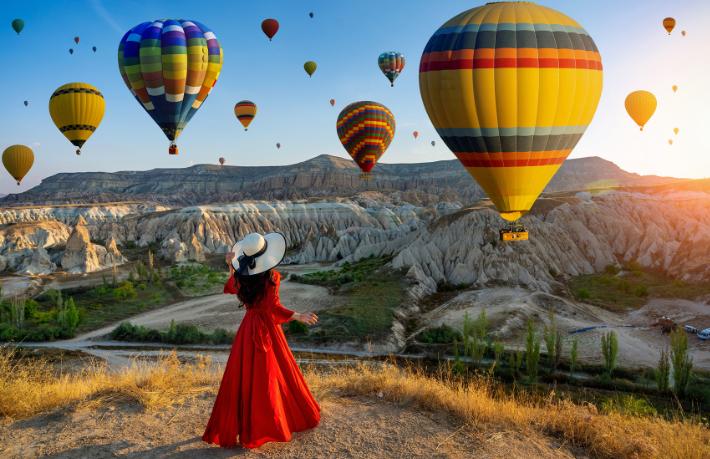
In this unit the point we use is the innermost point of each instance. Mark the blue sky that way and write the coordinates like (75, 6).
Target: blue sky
(345, 38)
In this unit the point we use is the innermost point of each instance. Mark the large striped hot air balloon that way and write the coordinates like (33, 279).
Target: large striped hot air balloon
(77, 110)
(170, 66)
(511, 87)
(245, 110)
(365, 129)
(18, 160)
(391, 63)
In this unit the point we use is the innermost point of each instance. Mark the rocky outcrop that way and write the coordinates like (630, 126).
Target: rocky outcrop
(322, 176)
(82, 256)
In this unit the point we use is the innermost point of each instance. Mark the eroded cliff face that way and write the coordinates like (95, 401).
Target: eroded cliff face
(570, 235)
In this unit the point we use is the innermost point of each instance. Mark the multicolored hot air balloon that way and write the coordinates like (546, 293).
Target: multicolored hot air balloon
(18, 25)
(365, 129)
(415, 134)
(310, 67)
(76, 40)
(278, 145)
(669, 24)
(676, 131)
(18, 160)
(511, 87)
(245, 110)
(170, 66)
(674, 87)
(270, 27)
(391, 63)
(640, 106)
(77, 110)
(332, 102)
(222, 161)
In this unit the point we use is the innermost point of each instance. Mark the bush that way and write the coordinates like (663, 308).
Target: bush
(573, 356)
(611, 270)
(641, 291)
(442, 334)
(610, 351)
(663, 371)
(583, 294)
(532, 353)
(125, 291)
(628, 405)
(682, 362)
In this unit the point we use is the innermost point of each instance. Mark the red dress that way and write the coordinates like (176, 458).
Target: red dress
(263, 396)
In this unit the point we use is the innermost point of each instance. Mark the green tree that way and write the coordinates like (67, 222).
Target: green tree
(171, 334)
(68, 317)
(498, 350)
(515, 362)
(17, 311)
(573, 357)
(532, 353)
(553, 343)
(475, 334)
(610, 351)
(682, 362)
(663, 372)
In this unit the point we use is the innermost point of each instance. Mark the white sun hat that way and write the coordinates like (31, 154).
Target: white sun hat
(256, 254)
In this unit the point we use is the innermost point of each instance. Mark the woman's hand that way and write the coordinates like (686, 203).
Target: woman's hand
(308, 318)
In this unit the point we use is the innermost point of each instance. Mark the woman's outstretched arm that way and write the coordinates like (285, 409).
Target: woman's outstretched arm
(231, 285)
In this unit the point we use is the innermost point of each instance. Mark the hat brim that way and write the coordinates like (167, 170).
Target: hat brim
(275, 251)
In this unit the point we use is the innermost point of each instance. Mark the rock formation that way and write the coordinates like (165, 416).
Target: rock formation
(82, 256)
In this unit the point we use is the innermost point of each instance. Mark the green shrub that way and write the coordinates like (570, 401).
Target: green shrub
(611, 269)
(188, 334)
(532, 353)
(628, 405)
(295, 327)
(222, 336)
(553, 343)
(125, 291)
(610, 352)
(663, 371)
(442, 334)
(583, 293)
(641, 291)
(573, 357)
(682, 362)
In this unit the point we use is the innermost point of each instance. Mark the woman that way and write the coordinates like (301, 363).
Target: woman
(263, 396)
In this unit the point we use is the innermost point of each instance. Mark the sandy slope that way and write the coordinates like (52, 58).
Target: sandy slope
(350, 428)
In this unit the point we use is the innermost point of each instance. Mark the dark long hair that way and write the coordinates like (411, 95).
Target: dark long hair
(251, 289)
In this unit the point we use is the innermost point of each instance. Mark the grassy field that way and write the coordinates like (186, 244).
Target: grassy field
(367, 294)
(630, 288)
(29, 387)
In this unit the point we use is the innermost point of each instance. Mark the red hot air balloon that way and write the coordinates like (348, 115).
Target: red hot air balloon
(415, 134)
(332, 102)
(76, 40)
(221, 161)
(270, 27)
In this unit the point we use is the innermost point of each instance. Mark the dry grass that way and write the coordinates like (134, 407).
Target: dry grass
(30, 387)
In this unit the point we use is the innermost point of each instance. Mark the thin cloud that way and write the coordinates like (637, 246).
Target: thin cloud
(101, 11)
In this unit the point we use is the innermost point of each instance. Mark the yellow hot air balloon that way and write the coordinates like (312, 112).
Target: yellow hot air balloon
(640, 105)
(511, 87)
(669, 25)
(18, 160)
(676, 130)
(77, 110)
(674, 87)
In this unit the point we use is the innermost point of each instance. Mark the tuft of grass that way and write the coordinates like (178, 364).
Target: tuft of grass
(29, 387)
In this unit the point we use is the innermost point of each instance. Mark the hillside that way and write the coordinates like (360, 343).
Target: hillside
(321, 176)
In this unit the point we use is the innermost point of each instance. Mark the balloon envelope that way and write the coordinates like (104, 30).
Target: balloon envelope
(669, 24)
(365, 129)
(278, 145)
(683, 32)
(170, 66)
(640, 105)
(71, 50)
(332, 102)
(310, 67)
(310, 14)
(270, 27)
(221, 161)
(26, 103)
(676, 131)
(510, 88)
(433, 143)
(18, 25)
(391, 63)
(675, 88)
(76, 40)
(18, 160)
(93, 48)
(415, 134)
(77, 110)
(245, 111)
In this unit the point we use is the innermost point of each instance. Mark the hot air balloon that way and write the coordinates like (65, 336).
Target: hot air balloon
(670, 141)
(18, 160)
(433, 143)
(365, 129)
(310, 67)
(278, 145)
(675, 88)
(676, 131)
(640, 105)
(93, 48)
(77, 110)
(170, 66)
(332, 102)
(669, 24)
(270, 27)
(27, 102)
(683, 32)
(510, 88)
(18, 25)
(245, 110)
(415, 134)
(71, 50)
(310, 15)
(391, 63)
(222, 161)
(76, 40)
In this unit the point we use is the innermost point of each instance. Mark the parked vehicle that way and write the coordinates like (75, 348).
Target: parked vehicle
(690, 329)
(705, 334)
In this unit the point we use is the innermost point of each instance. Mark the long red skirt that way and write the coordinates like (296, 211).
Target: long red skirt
(263, 396)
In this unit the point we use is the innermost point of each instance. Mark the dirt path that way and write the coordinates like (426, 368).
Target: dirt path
(350, 428)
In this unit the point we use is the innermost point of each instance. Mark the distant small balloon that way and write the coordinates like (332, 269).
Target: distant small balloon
(676, 131)
(221, 161)
(415, 134)
(311, 14)
(682, 32)
(76, 40)
(675, 88)
(669, 24)
(18, 25)
(433, 143)
(332, 102)
(93, 48)
(27, 102)
(310, 68)
(270, 27)
(278, 145)
(71, 50)
(670, 141)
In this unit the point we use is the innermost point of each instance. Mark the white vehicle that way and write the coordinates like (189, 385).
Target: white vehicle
(705, 334)
(690, 329)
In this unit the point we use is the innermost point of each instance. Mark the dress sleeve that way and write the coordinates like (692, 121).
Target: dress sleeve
(280, 313)
(231, 285)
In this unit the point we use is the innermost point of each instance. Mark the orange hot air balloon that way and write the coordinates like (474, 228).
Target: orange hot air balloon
(675, 88)
(332, 102)
(415, 134)
(669, 24)
(222, 161)
(245, 110)
(670, 141)
(676, 131)
(640, 106)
